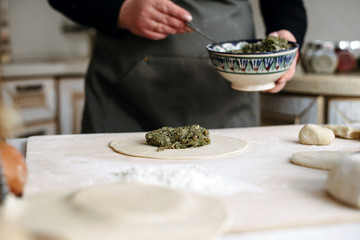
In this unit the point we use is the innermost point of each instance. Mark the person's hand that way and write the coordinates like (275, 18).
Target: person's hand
(153, 19)
(281, 82)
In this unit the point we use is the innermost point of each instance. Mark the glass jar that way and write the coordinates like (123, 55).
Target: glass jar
(355, 50)
(346, 59)
(308, 52)
(324, 60)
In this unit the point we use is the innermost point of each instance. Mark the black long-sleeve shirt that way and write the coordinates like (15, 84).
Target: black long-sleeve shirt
(285, 14)
(103, 15)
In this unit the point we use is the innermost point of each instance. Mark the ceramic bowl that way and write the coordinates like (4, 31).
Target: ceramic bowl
(250, 71)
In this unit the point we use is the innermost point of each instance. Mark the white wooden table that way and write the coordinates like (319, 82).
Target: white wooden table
(294, 203)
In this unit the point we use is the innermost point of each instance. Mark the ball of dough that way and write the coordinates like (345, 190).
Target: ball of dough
(344, 179)
(312, 134)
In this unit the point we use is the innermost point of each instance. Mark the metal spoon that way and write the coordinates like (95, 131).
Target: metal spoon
(191, 25)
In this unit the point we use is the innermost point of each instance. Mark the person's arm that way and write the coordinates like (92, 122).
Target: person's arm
(101, 15)
(285, 15)
(153, 19)
(286, 19)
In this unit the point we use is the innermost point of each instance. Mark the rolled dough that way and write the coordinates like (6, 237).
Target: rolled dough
(344, 179)
(123, 211)
(344, 131)
(312, 134)
(219, 146)
(317, 159)
(9, 231)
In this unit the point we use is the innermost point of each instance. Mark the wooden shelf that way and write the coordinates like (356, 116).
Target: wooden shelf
(319, 84)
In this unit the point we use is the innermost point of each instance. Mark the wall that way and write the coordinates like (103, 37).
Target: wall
(332, 20)
(36, 27)
(35, 33)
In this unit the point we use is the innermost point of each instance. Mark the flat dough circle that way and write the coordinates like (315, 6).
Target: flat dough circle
(124, 211)
(136, 146)
(317, 159)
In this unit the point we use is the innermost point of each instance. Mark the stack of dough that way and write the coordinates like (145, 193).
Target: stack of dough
(120, 211)
(344, 167)
(344, 179)
(312, 134)
(344, 131)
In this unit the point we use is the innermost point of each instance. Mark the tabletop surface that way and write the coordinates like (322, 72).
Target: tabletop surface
(275, 197)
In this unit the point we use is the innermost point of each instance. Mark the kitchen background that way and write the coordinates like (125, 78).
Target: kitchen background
(45, 57)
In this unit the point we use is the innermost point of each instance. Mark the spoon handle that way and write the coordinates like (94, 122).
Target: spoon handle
(190, 25)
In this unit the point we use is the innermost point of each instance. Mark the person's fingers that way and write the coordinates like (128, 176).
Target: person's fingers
(284, 34)
(279, 85)
(171, 24)
(153, 34)
(172, 17)
(274, 34)
(153, 19)
(161, 28)
(281, 82)
(171, 9)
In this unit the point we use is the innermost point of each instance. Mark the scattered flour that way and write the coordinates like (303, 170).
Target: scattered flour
(187, 178)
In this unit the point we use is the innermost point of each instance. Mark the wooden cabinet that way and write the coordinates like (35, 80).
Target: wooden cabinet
(46, 106)
(49, 96)
(71, 104)
(281, 109)
(314, 98)
(343, 110)
(36, 129)
(34, 100)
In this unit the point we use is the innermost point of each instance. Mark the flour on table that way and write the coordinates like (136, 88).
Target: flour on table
(193, 179)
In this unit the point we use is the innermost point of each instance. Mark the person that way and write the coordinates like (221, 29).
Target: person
(148, 69)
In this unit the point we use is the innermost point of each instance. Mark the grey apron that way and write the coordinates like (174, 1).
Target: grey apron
(137, 84)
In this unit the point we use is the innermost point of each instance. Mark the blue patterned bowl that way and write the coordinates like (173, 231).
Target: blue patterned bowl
(250, 71)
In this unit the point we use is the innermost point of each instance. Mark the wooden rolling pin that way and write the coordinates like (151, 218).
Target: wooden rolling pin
(13, 167)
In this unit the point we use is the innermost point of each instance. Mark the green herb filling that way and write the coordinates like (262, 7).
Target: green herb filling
(269, 44)
(178, 138)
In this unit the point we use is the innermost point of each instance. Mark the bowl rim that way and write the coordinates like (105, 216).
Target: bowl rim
(210, 46)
